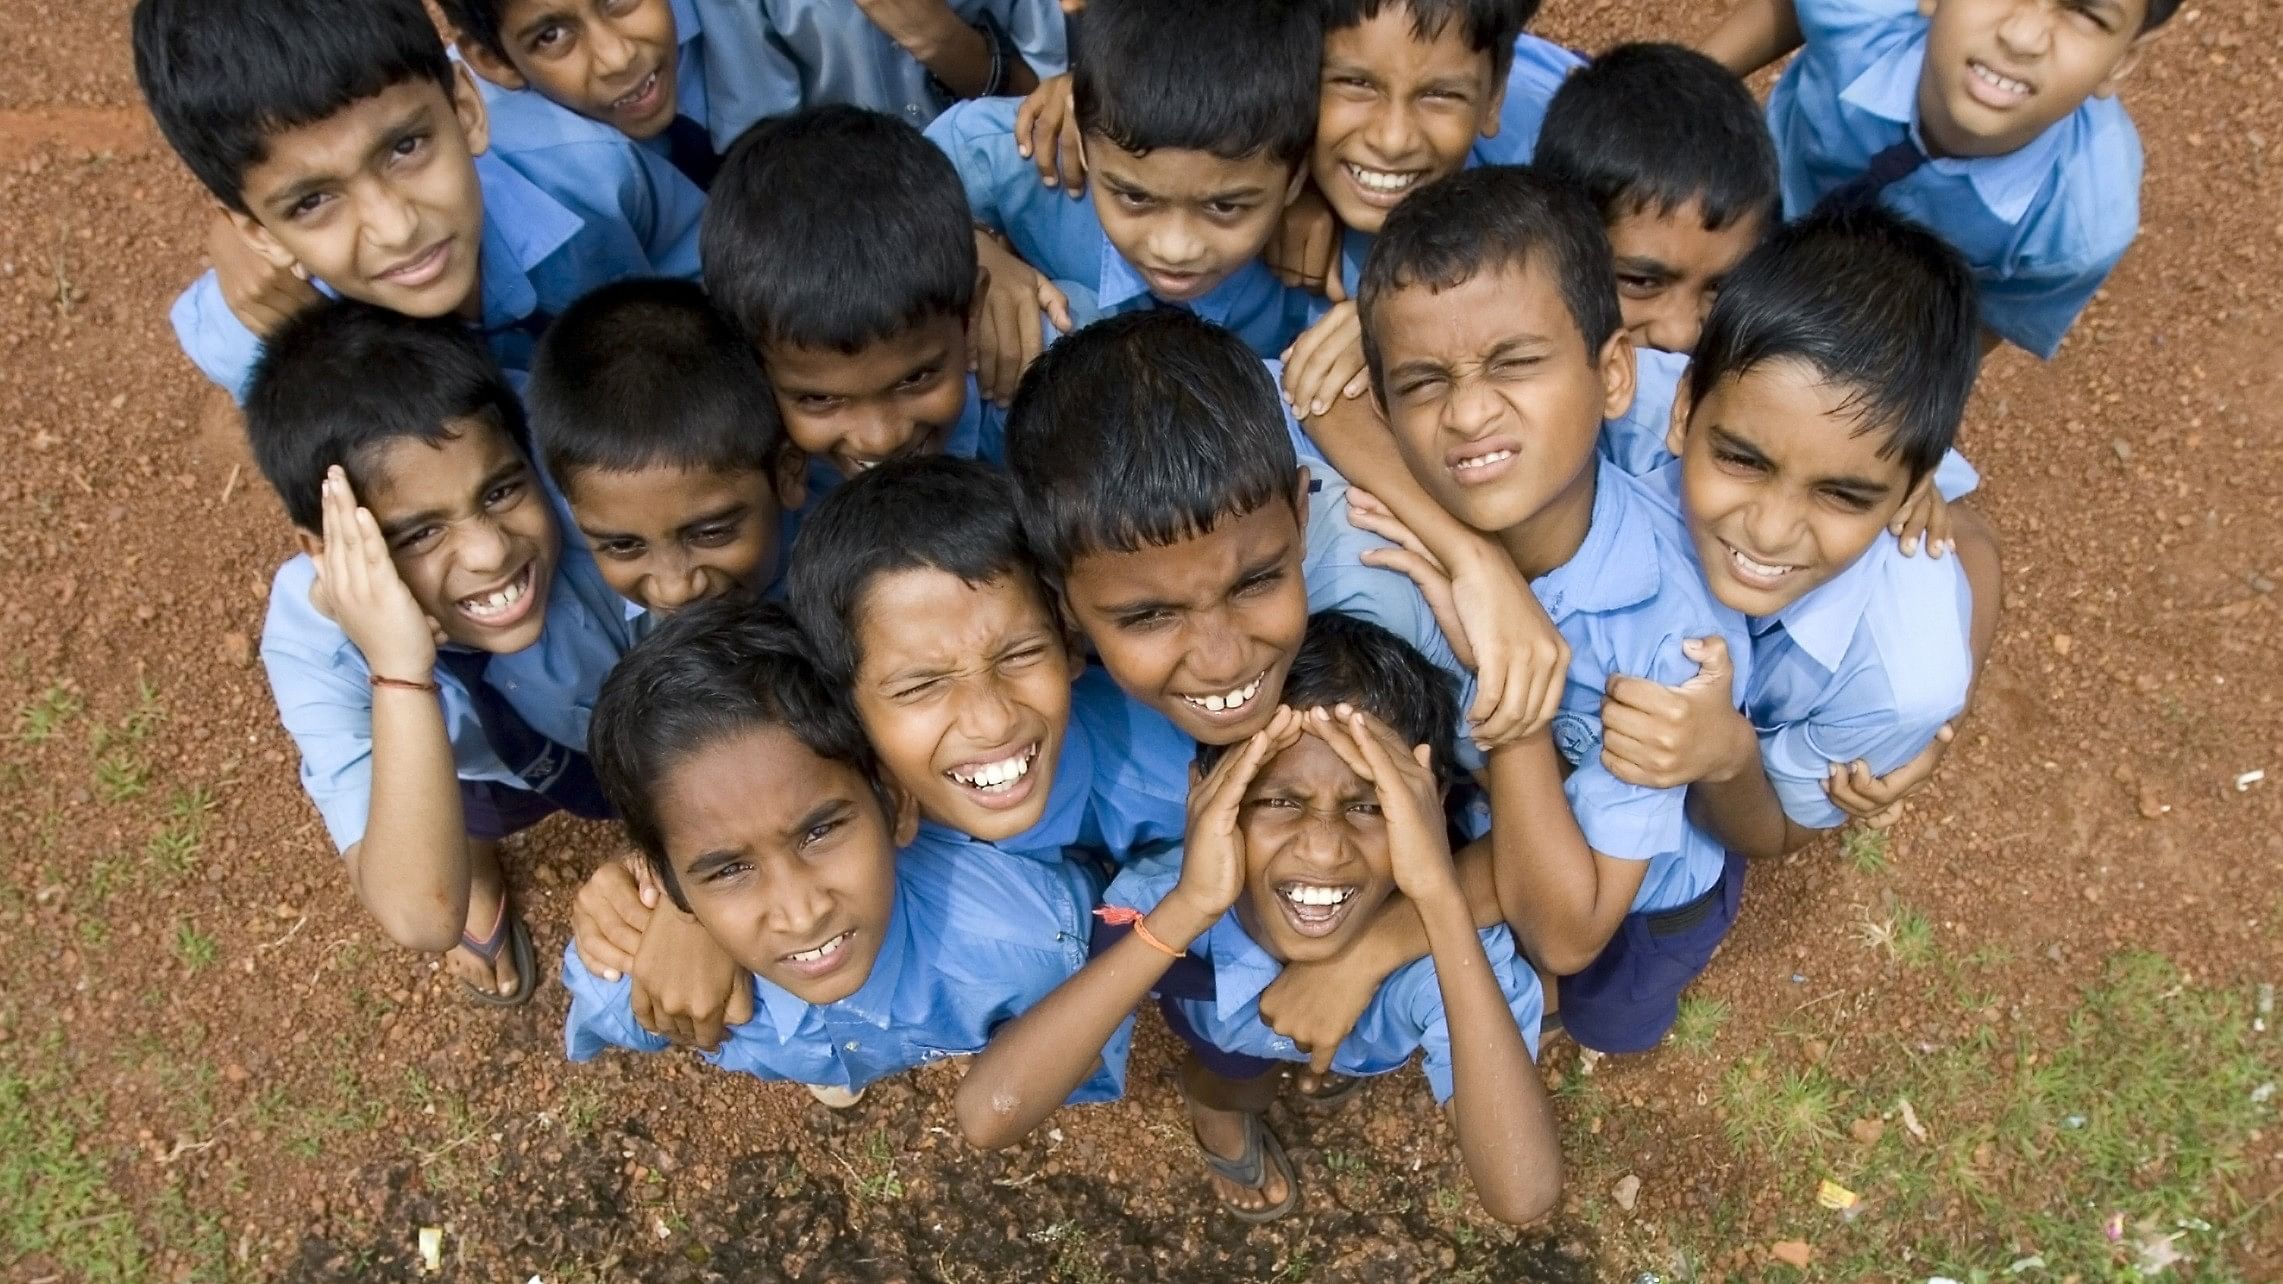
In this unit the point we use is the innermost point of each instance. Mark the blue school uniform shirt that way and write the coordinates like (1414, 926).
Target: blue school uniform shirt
(2042, 226)
(975, 937)
(1120, 788)
(1405, 1017)
(569, 204)
(1064, 239)
(770, 57)
(691, 98)
(324, 693)
(1540, 67)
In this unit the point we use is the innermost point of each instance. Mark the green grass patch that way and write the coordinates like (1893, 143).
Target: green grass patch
(196, 949)
(39, 718)
(58, 1212)
(1868, 850)
(1700, 1019)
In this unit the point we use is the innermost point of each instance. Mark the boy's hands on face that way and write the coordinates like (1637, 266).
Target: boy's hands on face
(1213, 859)
(1306, 248)
(1877, 801)
(1005, 331)
(262, 295)
(1925, 518)
(1326, 363)
(366, 596)
(609, 917)
(1410, 800)
(1662, 737)
(1046, 132)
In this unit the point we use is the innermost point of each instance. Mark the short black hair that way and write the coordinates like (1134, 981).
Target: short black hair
(1481, 220)
(1143, 430)
(2159, 13)
(222, 76)
(929, 513)
(644, 373)
(1232, 77)
(343, 378)
(1648, 128)
(836, 227)
(479, 21)
(1488, 26)
(1873, 303)
(716, 669)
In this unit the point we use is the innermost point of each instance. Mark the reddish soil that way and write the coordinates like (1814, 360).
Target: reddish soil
(299, 1104)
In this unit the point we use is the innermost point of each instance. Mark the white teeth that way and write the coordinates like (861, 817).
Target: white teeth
(1765, 570)
(2006, 83)
(1229, 701)
(1485, 461)
(997, 775)
(628, 99)
(811, 956)
(491, 604)
(1380, 180)
(1311, 894)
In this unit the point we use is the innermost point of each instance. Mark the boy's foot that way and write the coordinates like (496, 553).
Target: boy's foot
(1323, 1093)
(503, 958)
(1251, 1173)
(838, 1098)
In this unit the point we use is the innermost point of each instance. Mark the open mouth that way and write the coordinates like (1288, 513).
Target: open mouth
(819, 960)
(639, 101)
(1993, 87)
(1382, 186)
(498, 608)
(998, 782)
(1756, 573)
(421, 269)
(1177, 286)
(1481, 462)
(1315, 909)
(1228, 704)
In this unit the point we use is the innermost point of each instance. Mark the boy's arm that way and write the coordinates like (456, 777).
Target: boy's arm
(213, 337)
(749, 74)
(961, 56)
(1754, 34)
(599, 1017)
(1563, 899)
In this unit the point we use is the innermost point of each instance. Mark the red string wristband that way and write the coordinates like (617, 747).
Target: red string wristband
(1121, 916)
(404, 684)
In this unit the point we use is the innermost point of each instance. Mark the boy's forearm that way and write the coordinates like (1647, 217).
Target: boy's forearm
(1548, 880)
(1498, 1105)
(1978, 557)
(1397, 934)
(1356, 441)
(1745, 814)
(411, 866)
(1754, 34)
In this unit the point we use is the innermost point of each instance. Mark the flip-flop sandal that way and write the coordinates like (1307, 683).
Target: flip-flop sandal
(1334, 1091)
(1251, 1169)
(510, 934)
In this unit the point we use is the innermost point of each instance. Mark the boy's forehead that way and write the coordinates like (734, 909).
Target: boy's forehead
(1805, 421)
(921, 611)
(1397, 36)
(1182, 173)
(1310, 765)
(408, 474)
(341, 143)
(663, 495)
(747, 788)
(1514, 301)
(1229, 545)
(882, 360)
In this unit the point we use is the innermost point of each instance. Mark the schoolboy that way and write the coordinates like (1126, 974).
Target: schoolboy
(838, 242)
(873, 947)
(638, 66)
(1297, 835)
(399, 452)
(345, 146)
(654, 419)
(1994, 122)
(1497, 350)
(1831, 380)
(1195, 117)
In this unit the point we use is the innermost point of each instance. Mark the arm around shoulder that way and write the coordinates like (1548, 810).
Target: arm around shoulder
(1754, 34)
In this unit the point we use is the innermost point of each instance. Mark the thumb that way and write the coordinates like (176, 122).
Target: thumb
(740, 1008)
(1711, 656)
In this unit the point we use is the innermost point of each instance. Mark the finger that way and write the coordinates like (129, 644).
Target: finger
(1629, 720)
(1056, 305)
(741, 1000)
(1491, 685)
(1626, 691)
(1885, 817)
(1069, 159)
(1341, 740)
(1031, 341)
(1546, 691)
(706, 1030)
(1320, 1060)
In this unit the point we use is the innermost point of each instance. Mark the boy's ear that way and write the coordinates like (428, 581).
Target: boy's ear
(489, 65)
(1495, 109)
(468, 106)
(903, 815)
(791, 477)
(1676, 426)
(1617, 374)
(1299, 181)
(274, 253)
(1300, 504)
(309, 541)
(2126, 63)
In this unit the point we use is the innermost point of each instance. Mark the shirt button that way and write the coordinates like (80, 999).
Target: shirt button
(851, 1045)
(912, 111)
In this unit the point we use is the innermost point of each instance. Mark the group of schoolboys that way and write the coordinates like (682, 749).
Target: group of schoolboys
(1461, 501)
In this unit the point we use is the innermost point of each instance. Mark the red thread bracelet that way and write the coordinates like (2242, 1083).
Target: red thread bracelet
(1121, 916)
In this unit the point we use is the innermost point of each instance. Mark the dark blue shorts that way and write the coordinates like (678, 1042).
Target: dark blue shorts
(1629, 997)
(491, 811)
(1188, 977)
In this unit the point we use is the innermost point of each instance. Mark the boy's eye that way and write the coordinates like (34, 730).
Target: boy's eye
(550, 37)
(308, 205)
(1133, 200)
(714, 536)
(724, 873)
(1639, 287)
(1847, 501)
(819, 832)
(1024, 658)
(1410, 388)
(1275, 804)
(1508, 367)
(817, 403)
(409, 146)
(1141, 621)
(1225, 209)
(414, 541)
(1737, 460)
(1254, 585)
(1363, 809)
(503, 495)
(918, 378)
(917, 690)
(619, 548)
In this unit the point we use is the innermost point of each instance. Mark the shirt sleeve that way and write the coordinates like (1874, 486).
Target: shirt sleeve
(2033, 311)
(1421, 993)
(665, 208)
(220, 345)
(750, 74)
(601, 1015)
(1797, 755)
(978, 136)
(329, 714)
(1141, 885)
(1036, 27)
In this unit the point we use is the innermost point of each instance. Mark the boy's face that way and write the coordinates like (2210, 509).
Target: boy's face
(665, 537)
(786, 859)
(1783, 490)
(1494, 397)
(469, 529)
(1317, 865)
(1999, 72)
(896, 397)
(964, 691)
(379, 200)
(1186, 220)
(1202, 630)
(1396, 113)
(1669, 270)
(609, 60)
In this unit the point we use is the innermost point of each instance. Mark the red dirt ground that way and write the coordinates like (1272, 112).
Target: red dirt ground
(297, 1104)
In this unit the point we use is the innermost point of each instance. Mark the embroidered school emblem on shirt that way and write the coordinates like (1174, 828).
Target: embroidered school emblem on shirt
(1577, 736)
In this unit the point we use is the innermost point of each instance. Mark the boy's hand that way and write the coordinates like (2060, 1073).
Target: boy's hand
(686, 987)
(1925, 518)
(1877, 801)
(262, 295)
(609, 917)
(1306, 248)
(1005, 332)
(1410, 799)
(1326, 363)
(1317, 1005)
(1662, 737)
(1046, 131)
(368, 598)
(1213, 860)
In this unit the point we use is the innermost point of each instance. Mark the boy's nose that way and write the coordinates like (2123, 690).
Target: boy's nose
(1472, 409)
(613, 53)
(676, 586)
(1391, 133)
(1174, 247)
(1673, 327)
(986, 714)
(1772, 525)
(390, 221)
(800, 907)
(2027, 29)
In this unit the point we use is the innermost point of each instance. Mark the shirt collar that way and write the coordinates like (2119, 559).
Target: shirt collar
(1613, 569)
(1241, 968)
(873, 1001)
(1823, 620)
(1119, 283)
(522, 226)
(1888, 89)
(1064, 819)
(965, 440)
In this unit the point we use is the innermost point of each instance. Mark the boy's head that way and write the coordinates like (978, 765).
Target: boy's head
(2000, 72)
(432, 439)
(1317, 860)
(839, 242)
(1672, 150)
(1407, 86)
(1165, 501)
(1491, 328)
(654, 419)
(743, 777)
(616, 61)
(916, 589)
(336, 133)
(1195, 116)
(1830, 381)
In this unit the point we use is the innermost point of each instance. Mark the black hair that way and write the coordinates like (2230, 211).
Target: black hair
(2159, 13)
(1872, 302)
(928, 513)
(1481, 220)
(836, 227)
(222, 76)
(1232, 77)
(644, 373)
(716, 669)
(1144, 430)
(479, 21)
(1488, 26)
(343, 378)
(1648, 128)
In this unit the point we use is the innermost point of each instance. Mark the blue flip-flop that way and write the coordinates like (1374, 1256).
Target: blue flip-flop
(507, 933)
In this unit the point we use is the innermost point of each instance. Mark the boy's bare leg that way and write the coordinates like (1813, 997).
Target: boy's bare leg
(1219, 1109)
(487, 890)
